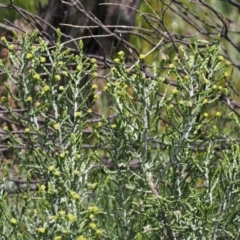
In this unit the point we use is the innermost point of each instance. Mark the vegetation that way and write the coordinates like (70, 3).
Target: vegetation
(147, 149)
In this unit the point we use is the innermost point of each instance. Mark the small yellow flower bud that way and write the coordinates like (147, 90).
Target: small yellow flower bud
(11, 47)
(3, 39)
(54, 217)
(51, 168)
(29, 56)
(78, 114)
(98, 232)
(94, 86)
(95, 66)
(227, 63)
(46, 88)
(96, 96)
(92, 225)
(81, 238)
(79, 68)
(190, 104)
(62, 213)
(121, 53)
(75, 195)
(41, 230)
(225, 74)
(71, 218)
(95, 209)
(117, 60)
(225, 90)
(174, 91)
(57, 238)
(93, 60)
(57, 77)
(57, 173)
(4, 99)
(42, 188)
(29, 99)
(42, 59)
(36, 76)
(56, 126)
(95, 74)
(13, 221)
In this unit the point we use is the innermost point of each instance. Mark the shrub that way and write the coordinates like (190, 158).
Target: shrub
(158, 167)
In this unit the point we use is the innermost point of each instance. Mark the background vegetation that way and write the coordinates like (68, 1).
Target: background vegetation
(139, 142)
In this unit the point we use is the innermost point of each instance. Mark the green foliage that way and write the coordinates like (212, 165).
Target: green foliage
(12, 15)
(155, 169)
(172, 16)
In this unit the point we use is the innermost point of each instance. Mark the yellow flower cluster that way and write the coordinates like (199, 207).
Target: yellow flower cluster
(93, 209)
(75, 195)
